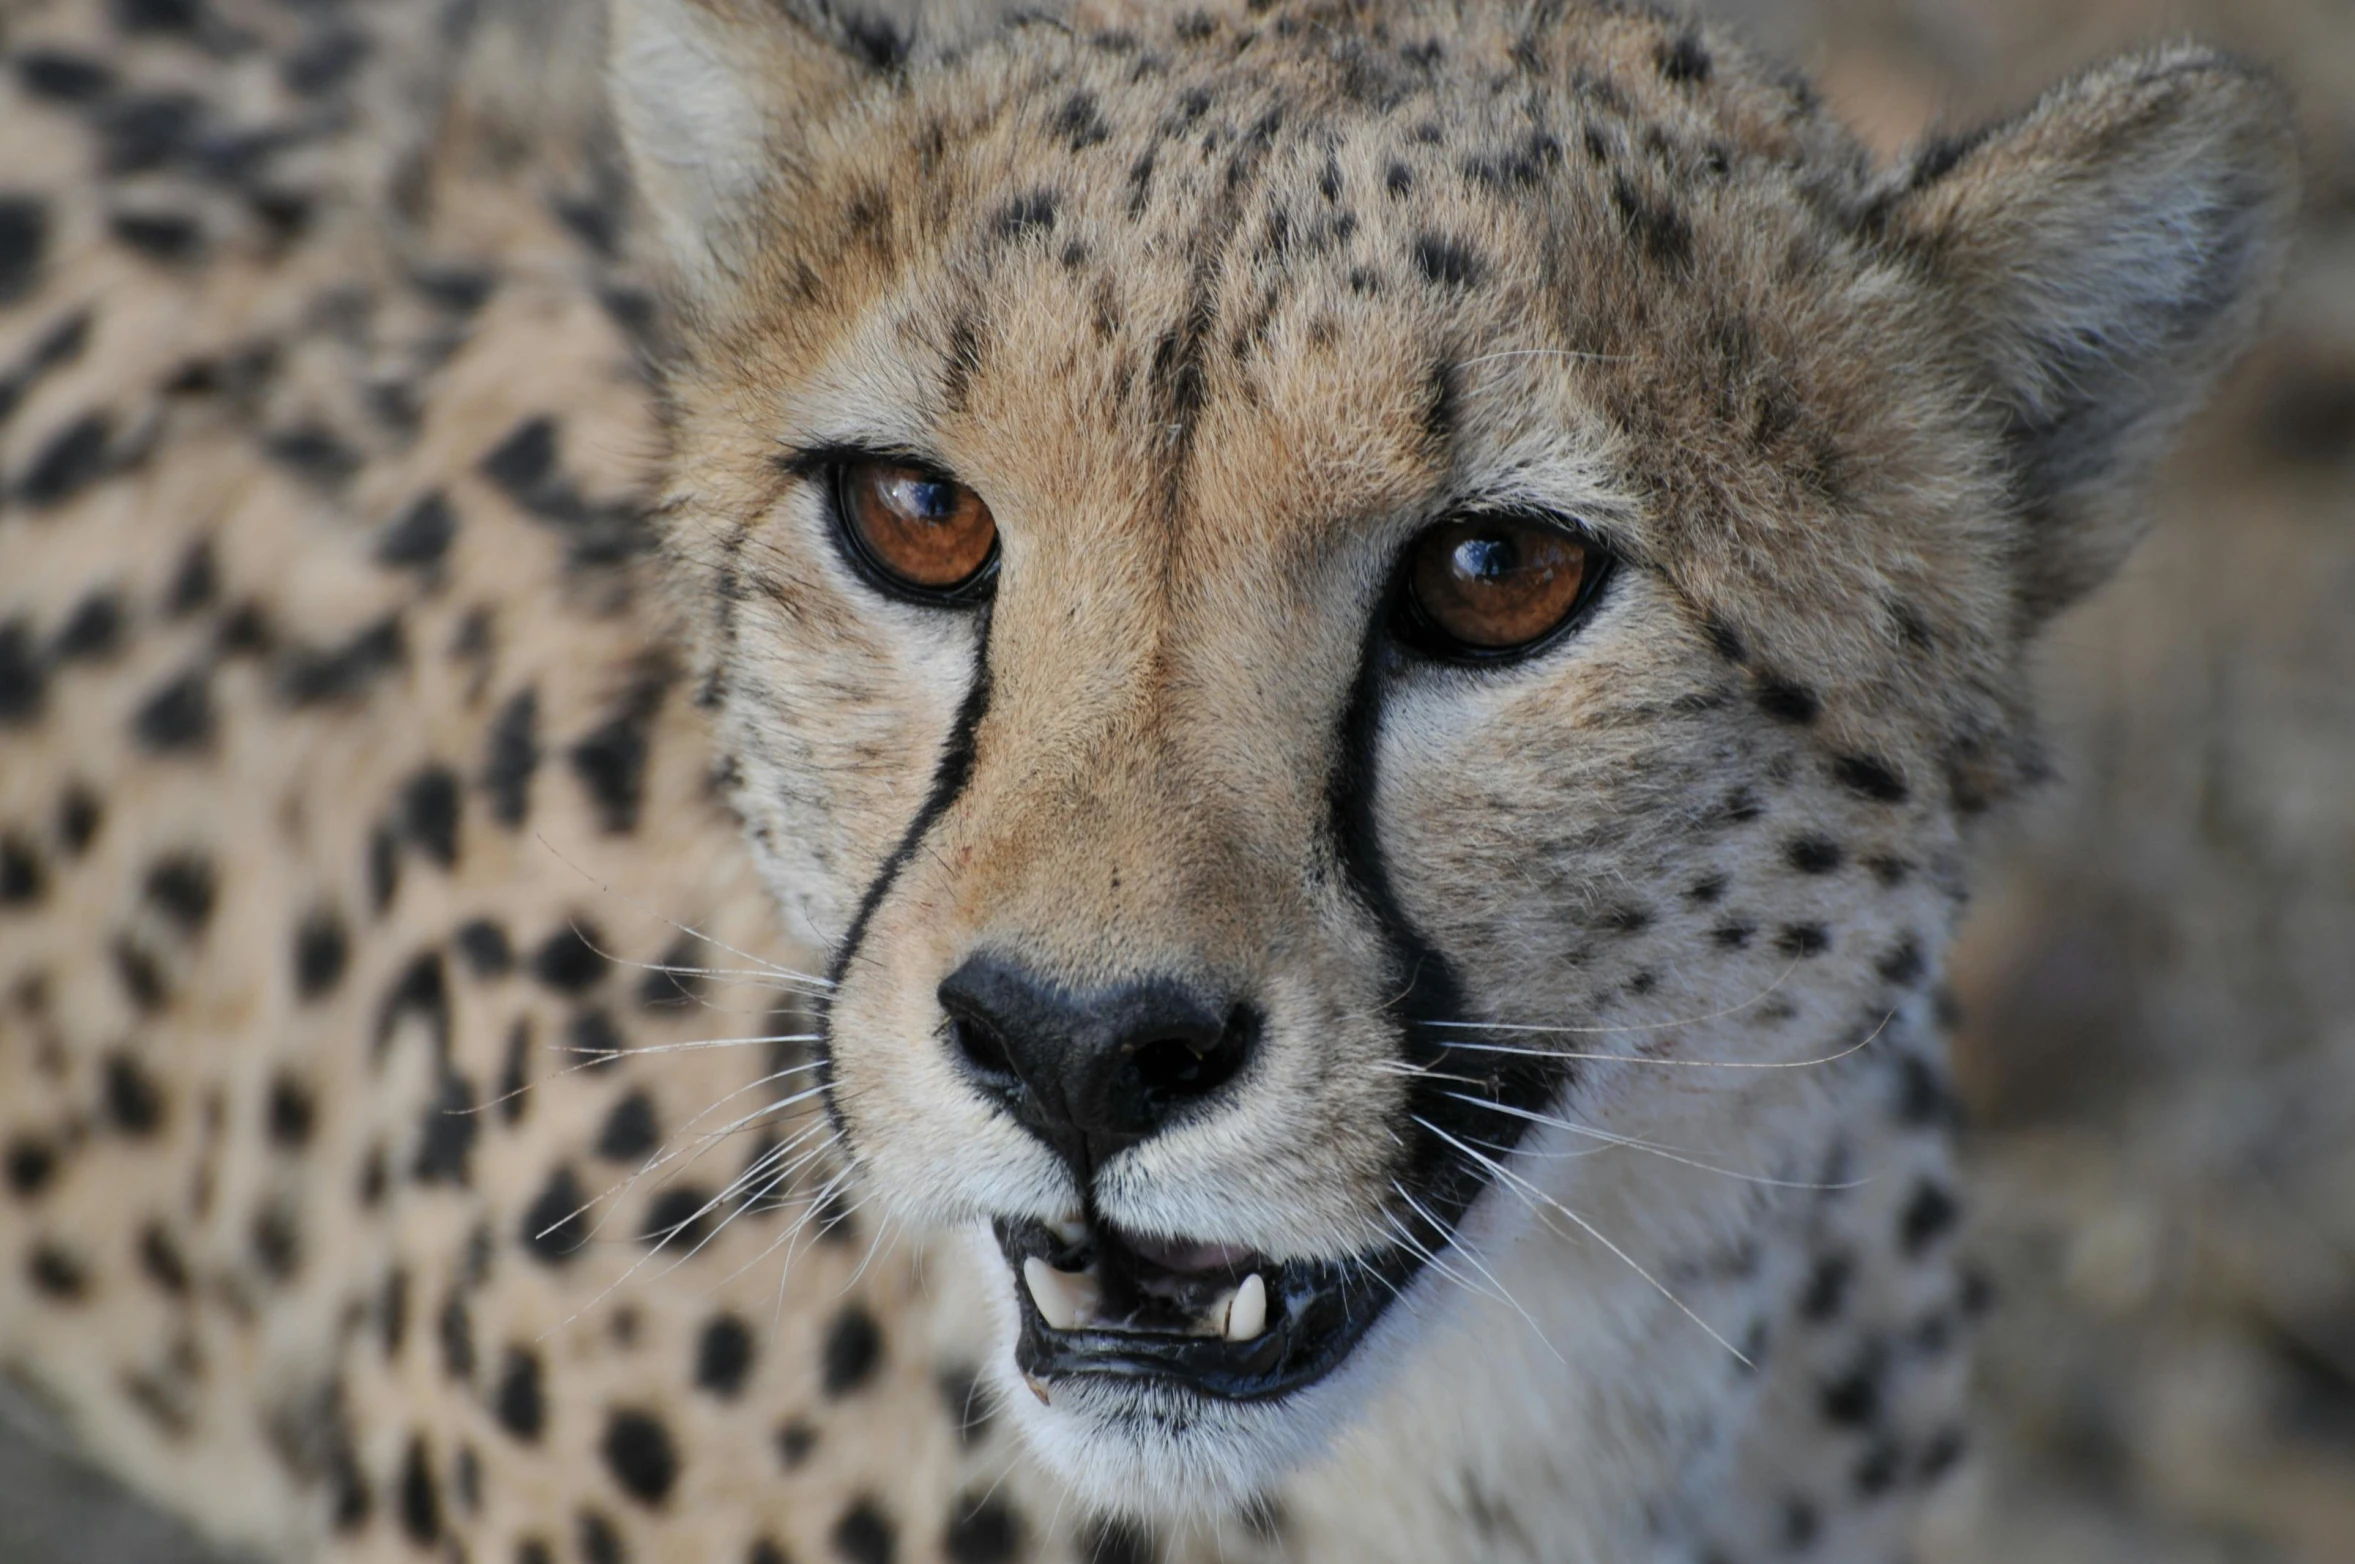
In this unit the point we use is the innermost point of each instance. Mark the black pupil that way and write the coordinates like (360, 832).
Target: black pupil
(1489, 559)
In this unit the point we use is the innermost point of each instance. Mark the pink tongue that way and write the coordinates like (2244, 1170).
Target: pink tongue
(1176, 1254)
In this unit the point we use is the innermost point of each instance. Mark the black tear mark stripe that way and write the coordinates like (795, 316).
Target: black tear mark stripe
(1431, 1006)
(949, 778)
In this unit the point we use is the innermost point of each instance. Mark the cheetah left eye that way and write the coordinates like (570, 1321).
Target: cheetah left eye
(1495, 585)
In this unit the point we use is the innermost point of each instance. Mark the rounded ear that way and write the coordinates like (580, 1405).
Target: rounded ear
(2106, 256)
(714, 99)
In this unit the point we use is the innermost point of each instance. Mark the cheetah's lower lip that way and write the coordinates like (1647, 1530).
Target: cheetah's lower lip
(1235, 1327)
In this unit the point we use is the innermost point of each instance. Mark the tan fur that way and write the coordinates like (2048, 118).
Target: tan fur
(1217, 310)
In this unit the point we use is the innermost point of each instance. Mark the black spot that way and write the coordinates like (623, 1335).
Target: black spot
(1854, 1399)
(314, 453)
(456, 1329)
(310, 676)
(421, 1505)
(1659, 229)
(142, 979)
(1732, 936)
(420, 536)
(276, 1240)
(593, 1039)
(1928, 1215)
(678, 1216)
(146, 131)
(78, 816)
(554, 1228)
(600, 1543)
(723, 1356)
(1025, 215)
(569, 960)
(534, 1550)
(160, 236)
(1801, 1524)
(854, 1345)
(513, 755)
(195, 583)
(1741, 807)
(24, 677)
(485, 948)
(515, 1074)
(1827, 1288)
(1813, 854)
(1940, 1454)
(1727, 640)
(30, 1164)
(24, 241)
(158, 16)
(177, 717)
(1903, 964)
(323, 60)
(429, 814)
(1705, 891)
(795, 1441)
(23, 880)
(518, 1403)
(93, 630)
(1447, 262)
(629, 1131)
(673, 980)
(321, 950)
(1876, 1470)
(1922, 1097)
(865, 1535)
(983, 1529)
(134, 1102)
(56, 1272)
(1111, 1541)
(1398, 179)
(1080, 123)
(61, 77)
(1684, 60)
(639, 1453)
(1787, 702)
(968, 1403)
(1889, 870)
(181, 887)
(446, 1132)
(420, 993)
(466, 1477)
(1626, 920)
(1803, 939)
(611, 759)
(1874, 779)
(289, 1114)
(525, 460)
(159, 1259)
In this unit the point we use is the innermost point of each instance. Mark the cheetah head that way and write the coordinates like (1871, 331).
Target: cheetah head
(1301, 596)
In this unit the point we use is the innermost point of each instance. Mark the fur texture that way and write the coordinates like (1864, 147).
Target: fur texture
(360, 736)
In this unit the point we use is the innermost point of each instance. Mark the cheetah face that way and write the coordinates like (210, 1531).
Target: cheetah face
(1291, 617)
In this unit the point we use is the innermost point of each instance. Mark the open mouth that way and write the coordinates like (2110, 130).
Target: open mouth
(1214, 1318)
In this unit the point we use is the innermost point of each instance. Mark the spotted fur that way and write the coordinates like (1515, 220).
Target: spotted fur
(477, 865)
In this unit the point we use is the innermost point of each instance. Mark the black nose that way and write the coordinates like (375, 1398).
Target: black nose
(1091, 1072)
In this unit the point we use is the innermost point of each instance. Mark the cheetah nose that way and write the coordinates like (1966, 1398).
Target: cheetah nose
(1091, 1072)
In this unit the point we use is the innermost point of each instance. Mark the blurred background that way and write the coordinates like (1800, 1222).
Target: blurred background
(2157, 987)
(2157, 984)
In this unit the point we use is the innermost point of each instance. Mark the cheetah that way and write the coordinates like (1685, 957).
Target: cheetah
(1126, 783)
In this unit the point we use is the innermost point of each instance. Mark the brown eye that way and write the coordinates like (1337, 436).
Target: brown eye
(1487, 586)
(922, 534)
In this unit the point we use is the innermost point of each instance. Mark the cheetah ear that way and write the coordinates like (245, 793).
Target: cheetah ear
(715, 99)
(2105, 257)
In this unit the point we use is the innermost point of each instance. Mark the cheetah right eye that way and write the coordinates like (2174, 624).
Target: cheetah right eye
(1489, 586)
(916, 533)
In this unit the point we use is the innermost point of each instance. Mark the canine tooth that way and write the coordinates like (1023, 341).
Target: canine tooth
(1247, 1309)
(1038, 1388)
(1068, 1231)
(1065, 1299)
